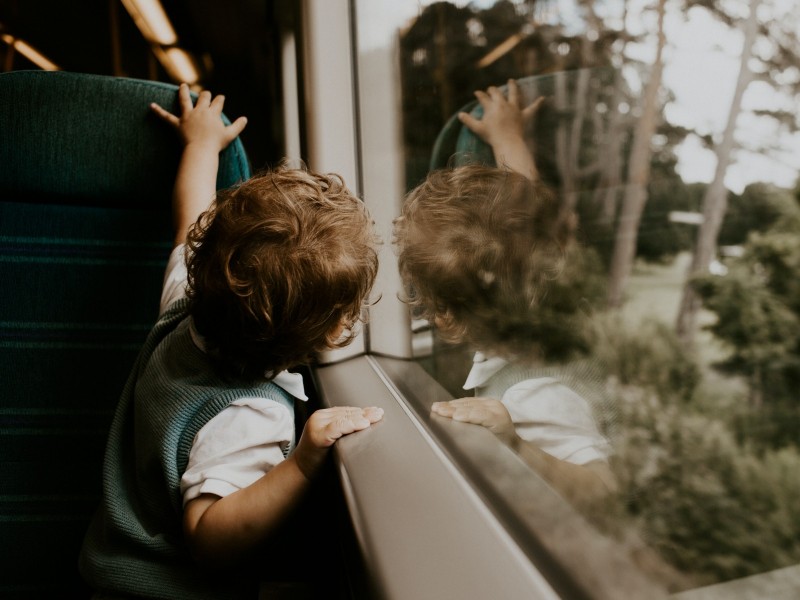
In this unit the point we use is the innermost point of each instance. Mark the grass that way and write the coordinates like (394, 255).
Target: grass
(654, 292)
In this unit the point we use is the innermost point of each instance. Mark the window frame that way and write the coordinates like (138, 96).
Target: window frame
(414, 468)
(414, 548)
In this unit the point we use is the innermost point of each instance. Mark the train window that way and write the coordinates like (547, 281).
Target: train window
(628, 326)
(607, 287)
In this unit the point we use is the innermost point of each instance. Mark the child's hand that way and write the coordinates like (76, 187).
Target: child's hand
(326, 426)
(502, 118)
(488, 412)
(201, 123)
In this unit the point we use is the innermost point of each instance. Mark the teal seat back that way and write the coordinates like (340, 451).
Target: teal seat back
(86, 176)
(456, 145)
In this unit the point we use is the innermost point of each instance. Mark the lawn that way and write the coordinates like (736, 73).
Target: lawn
(654, 292)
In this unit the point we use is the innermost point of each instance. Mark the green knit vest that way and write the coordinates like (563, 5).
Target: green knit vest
(134, 545)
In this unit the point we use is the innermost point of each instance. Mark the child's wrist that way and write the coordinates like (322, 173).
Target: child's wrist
(308, 465)
(202, 145)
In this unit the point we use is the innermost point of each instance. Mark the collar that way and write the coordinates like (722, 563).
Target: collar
(291, 383)
(483, 368)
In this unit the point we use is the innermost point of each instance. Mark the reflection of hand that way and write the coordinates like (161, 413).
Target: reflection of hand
(503, 126)
(488, 412)
(326, 426)
(502, 118)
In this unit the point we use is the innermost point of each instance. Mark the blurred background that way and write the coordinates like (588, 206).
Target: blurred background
(227, 47)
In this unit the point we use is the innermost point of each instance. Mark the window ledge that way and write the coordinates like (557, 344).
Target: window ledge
(443, 509)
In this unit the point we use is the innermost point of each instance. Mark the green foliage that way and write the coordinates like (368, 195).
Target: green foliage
(758, 208)
(712, 505)
(762, 330)
(659, 239)
(712, 508)
(757, 305)
(649, 357)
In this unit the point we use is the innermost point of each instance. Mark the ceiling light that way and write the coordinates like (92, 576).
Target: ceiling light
(152, 21)
(178, 63)
(29, 52)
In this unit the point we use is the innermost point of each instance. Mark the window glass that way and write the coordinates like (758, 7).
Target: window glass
(627, 314)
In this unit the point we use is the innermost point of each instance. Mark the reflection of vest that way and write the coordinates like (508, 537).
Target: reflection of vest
(582, 377)
(134, 545)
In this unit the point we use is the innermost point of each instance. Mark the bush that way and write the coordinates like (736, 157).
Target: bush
(650, 357)
(711, 505)
(714, 509)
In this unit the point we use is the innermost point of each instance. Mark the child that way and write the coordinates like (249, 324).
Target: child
(486, 255)
(201, 466)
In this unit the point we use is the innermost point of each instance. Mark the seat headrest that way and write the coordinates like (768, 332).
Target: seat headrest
(74, 138)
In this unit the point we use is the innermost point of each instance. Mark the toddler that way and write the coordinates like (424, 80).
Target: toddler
(486, 255)
(201, 465)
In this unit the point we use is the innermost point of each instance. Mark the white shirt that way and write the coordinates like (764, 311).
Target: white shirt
(546, 413)
(246, 439)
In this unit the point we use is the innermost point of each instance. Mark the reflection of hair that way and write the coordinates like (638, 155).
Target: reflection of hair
(275, 266)
(483, 253)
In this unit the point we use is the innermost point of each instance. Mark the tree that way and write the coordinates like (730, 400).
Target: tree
(638, 174)
(592, 133)
(757, 305)
(757, 208)
(716, 198)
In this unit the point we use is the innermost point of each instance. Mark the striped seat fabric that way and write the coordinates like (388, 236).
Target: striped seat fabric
(86, 177)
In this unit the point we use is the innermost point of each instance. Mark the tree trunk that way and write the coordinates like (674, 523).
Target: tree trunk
(611, 159)
(638, 177)
(715, 201)
(607, 192)
(564, 164)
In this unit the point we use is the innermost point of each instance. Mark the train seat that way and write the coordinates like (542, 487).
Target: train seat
(86, 176)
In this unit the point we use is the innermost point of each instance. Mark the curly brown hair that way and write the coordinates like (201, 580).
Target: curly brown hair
(485, 254)
(276, 266)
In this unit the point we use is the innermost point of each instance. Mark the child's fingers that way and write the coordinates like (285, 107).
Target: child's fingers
(204, 99)
(462, 402)
(373, 414)
(495, 94)
(184, 98)
(470, 122)
(235, 128)
(513, 92)
(218, 102)
(483, 98)
(345, 424)
(462, 405)
(472, 414)
(165, 115)
(337, 421)
(445, 409)
(530, 111)
(327, 415)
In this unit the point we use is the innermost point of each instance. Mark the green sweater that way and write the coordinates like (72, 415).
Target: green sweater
(134, 545)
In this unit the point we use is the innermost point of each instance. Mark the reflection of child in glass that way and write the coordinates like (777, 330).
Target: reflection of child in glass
(485, 255)
(201, 465)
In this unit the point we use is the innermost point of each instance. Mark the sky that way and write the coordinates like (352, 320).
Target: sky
(702, 64)
(702, 61)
